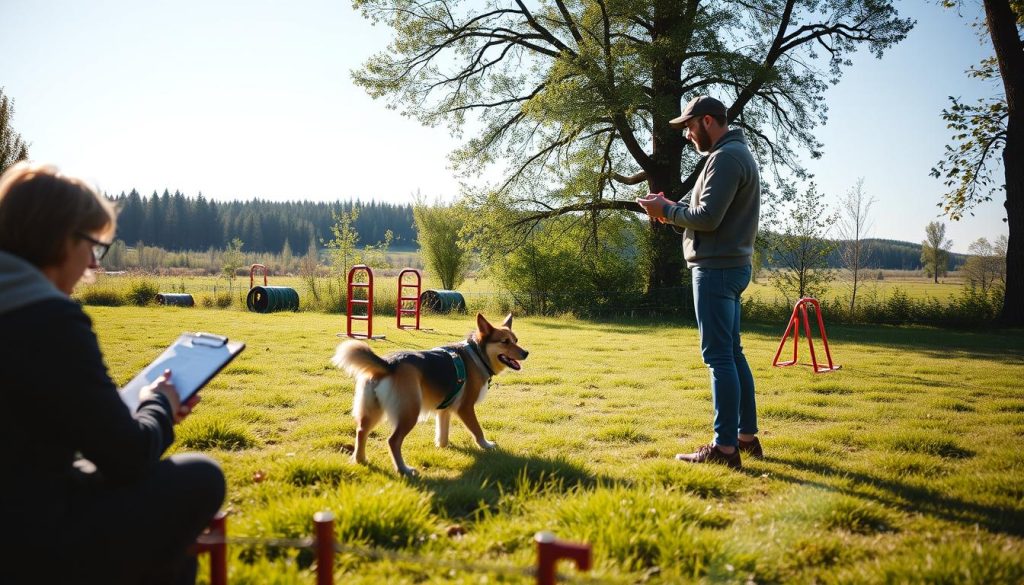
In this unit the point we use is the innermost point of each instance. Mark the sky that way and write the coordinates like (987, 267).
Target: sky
(253, 98)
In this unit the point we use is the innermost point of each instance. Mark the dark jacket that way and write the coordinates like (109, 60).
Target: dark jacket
(722, 214)
(58, 402)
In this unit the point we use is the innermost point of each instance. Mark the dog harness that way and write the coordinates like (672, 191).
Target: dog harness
(460, 377)
(476, 355)
(445, 366)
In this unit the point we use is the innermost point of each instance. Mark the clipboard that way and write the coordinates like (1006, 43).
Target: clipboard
(194, 359)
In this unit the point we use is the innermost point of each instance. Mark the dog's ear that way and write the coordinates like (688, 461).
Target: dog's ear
(508, 321)
(483, 326)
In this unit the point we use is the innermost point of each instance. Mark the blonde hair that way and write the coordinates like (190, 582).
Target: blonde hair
(40, 209)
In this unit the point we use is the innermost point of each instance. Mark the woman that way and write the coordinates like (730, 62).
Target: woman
(85, 497)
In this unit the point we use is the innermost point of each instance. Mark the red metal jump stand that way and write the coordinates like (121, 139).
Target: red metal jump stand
(402, 299)
(324, 523)
(800, 313)
(367, 302)
(550, 550)
(214, 542)
(252, 272)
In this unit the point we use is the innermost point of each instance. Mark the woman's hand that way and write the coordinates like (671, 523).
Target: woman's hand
(164, 386)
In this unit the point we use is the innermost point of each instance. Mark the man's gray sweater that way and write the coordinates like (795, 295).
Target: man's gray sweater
(721, 219)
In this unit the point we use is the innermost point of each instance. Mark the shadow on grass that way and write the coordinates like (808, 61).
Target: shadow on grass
(493, 473)
(912, 499)
(1005, 346)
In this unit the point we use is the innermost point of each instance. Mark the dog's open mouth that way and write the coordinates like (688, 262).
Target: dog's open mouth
(509, 361)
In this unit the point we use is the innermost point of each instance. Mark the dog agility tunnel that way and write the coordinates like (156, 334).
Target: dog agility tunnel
(175, 300)
(443, 301)
(267, 299)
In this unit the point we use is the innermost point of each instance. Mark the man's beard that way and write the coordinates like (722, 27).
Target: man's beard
(702, 140)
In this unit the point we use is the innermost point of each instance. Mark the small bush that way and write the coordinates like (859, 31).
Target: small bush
(307, 472)
(658, 527)
(222, 300)
(101, 297)
(622, 433)
(141, 292)
(856, 516)
(214, 434)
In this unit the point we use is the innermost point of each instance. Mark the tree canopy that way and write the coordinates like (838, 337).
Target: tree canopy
(573, 97)
(12, 146)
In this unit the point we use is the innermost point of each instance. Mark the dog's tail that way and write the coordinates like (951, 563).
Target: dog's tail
(358, 360)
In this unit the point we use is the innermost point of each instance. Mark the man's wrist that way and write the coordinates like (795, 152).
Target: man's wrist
(664, 209)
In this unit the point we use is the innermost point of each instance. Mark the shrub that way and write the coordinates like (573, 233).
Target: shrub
(101, 297)
(214, 434)
(141, 292)
(223, 300)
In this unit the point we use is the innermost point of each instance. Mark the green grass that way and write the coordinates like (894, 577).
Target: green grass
(484, 293)
(903, 467)
(914, 283)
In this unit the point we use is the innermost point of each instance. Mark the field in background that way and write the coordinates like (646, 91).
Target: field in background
(913, 282)
(900, 468)
(483, 294)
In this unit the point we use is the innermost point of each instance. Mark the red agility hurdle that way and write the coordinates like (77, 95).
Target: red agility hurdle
(353, 286)
(252, 273)
(215, 541)
(402, 299)
(800, 313)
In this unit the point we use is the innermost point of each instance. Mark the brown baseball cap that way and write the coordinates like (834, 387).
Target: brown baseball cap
(699, 106)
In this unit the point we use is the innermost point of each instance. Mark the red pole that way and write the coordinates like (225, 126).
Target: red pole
(402, 299)
(324, 522)
(219, 549)
(252, 272)
(367, 302)
(550, 550)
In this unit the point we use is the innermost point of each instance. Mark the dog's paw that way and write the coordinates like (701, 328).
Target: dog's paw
(409, 472)
(487, 445)
(357, 460)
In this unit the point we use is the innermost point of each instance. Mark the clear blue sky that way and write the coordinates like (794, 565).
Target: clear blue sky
(253, 98)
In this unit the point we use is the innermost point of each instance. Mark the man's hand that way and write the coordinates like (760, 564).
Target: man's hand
(655, 205)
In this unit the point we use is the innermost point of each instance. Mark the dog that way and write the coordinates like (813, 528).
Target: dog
(409, 385)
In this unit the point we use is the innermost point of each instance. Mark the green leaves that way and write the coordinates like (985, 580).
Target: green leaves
(12, 147)
(979, 135)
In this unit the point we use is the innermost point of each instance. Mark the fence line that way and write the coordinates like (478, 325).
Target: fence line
(549, 551)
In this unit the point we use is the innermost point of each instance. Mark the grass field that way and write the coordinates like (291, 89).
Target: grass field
(904, 466)
(482, 293)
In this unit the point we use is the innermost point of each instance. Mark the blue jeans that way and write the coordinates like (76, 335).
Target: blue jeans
(716, 295)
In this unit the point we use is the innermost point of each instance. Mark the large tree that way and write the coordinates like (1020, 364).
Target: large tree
(12, 147)
(981, 131)
(573, 97)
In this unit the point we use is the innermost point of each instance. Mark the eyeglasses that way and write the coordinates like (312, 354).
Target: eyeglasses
(99, 249)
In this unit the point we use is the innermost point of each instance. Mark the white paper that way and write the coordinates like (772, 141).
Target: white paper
(192, 364)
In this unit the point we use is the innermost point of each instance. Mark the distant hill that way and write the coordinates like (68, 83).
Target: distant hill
(178, 222)
(894, 255)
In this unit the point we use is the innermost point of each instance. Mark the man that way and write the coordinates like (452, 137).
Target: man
(720, 224)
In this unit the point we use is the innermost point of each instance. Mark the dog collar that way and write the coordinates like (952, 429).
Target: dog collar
(478, 356)
(460, 378)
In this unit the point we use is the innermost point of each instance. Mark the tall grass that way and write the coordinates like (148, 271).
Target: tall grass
(899, 468)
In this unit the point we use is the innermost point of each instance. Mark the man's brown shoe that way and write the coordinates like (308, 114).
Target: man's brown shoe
(710, 454)
(752, 448)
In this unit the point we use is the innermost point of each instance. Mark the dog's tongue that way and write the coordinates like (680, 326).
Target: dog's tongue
(509, 361)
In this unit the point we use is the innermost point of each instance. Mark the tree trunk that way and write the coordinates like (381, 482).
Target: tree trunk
(666, 286)
(1002, 27)
(1013, 299)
